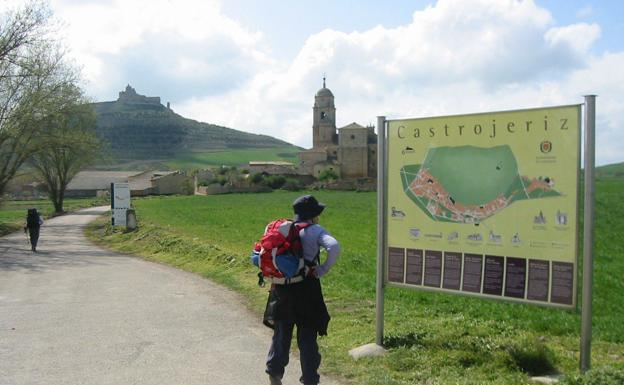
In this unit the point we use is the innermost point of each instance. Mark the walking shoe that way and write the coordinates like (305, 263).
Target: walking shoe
(275, 380)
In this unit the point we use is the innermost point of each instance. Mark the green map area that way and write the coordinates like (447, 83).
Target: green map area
(468, 184)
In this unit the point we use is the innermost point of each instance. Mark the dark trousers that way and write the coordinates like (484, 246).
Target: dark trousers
(34, 237)
(280, 348)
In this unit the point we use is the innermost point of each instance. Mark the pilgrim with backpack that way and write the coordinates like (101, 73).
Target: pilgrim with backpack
(288, 258)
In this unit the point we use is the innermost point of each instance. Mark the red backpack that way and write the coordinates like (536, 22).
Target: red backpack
(279, 254)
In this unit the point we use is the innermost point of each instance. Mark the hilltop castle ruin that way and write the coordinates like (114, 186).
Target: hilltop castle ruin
(130, 96)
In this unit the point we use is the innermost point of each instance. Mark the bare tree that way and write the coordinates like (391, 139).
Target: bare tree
(67, 142)
(32, 71)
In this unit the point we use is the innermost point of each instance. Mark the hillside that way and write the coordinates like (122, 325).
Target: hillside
(615, 170)
(139, 127)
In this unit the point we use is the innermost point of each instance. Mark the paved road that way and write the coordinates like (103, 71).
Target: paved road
(76, 314)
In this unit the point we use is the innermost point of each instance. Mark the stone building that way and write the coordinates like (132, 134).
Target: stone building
(142, 183)
(349, 151)
(130, 96)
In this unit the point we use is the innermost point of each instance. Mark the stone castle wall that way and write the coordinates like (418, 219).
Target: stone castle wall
(130, 96)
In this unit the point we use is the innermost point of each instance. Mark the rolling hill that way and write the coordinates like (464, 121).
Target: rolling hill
(137, 127)
(615, 170)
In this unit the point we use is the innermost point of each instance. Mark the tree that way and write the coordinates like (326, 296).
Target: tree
(32, 71)
(67, 143)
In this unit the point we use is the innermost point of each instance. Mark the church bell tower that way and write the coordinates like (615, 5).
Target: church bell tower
(324, 120)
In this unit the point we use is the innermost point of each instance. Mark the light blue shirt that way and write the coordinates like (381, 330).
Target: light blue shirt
(313, 238)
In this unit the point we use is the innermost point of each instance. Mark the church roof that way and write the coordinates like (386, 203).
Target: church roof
(351, 126)
(324, 92)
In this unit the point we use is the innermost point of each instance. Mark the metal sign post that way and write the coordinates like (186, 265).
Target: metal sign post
(588, 233)
(381, 218)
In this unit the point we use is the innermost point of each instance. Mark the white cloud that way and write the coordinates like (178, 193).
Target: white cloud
(172, 48)
(453, 57)
(578, 37)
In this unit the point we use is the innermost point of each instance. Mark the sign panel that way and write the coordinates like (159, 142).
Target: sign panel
(486, 204)
(120, 202)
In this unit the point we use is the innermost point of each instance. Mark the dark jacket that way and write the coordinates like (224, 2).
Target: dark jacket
(301, 303)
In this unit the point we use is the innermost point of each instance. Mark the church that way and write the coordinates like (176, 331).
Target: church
(349, 151)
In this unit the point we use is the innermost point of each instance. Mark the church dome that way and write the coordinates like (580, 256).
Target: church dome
(324, 92)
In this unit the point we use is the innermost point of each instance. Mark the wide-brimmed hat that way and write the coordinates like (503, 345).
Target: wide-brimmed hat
(307, 207)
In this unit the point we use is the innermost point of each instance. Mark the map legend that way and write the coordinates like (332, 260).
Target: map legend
(484, 275)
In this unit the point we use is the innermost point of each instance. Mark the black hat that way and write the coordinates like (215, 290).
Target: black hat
(307, 207)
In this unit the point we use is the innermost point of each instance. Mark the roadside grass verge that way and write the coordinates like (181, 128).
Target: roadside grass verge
(13, 213)
(433, 338)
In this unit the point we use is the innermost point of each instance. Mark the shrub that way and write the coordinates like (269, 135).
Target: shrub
(328, 175)
(293, 184)
(223, 170)
(188, 188)
(275, 181)
(219, 179)
(257, 178)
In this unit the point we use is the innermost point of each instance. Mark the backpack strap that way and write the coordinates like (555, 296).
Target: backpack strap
(286, 281)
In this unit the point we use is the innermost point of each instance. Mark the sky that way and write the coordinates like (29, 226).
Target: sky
(256, 65)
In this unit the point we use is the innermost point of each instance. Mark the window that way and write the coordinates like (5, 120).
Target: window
(323, 114)
(352, 137)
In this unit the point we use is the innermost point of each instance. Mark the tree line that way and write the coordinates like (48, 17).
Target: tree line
(46, 121)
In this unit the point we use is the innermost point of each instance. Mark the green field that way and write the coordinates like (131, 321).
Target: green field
(13, 213)
(232, 157)
(433, 338)
(488, 174)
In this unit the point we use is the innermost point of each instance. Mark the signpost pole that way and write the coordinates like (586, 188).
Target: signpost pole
(381, 218)
(588, 232)
(112, 196)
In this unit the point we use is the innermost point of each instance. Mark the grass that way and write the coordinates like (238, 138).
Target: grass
(13, 213)
(433, 338)
(202, 160)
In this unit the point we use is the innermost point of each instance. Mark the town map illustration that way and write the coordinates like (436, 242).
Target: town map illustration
(468, 184)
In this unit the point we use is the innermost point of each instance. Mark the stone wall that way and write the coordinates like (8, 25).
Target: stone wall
(272, 168)
(353, 162)
(307, 160)
(215, 189)
(173, 184)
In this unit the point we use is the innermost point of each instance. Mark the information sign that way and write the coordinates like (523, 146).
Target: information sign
(485, 204)
(120, 202)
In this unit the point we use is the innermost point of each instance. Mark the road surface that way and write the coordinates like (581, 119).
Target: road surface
(74, 313)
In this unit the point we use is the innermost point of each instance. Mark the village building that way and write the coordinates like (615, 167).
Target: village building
(142, 183)
(272, 167)
(349, 151)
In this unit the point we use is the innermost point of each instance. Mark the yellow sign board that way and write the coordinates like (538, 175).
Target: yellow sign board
(486, 204)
